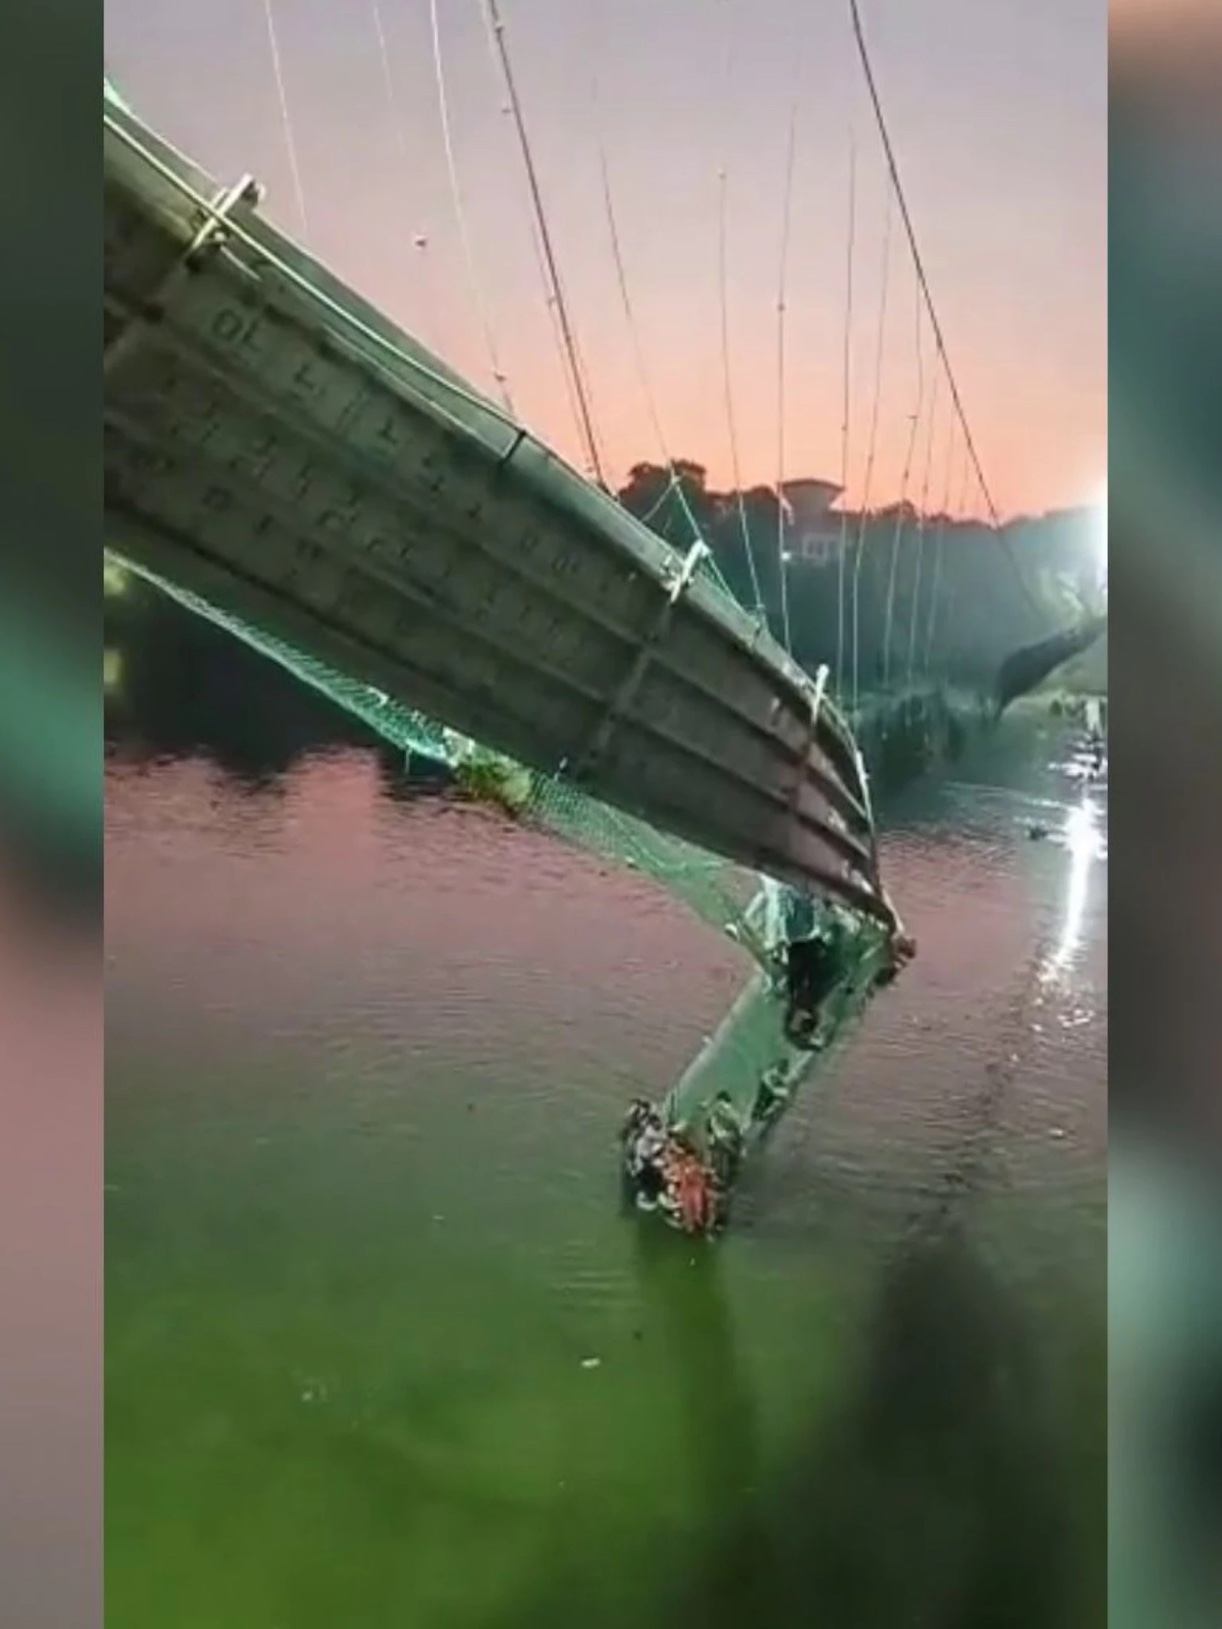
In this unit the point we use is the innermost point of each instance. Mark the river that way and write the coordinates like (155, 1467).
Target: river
(382, 1350)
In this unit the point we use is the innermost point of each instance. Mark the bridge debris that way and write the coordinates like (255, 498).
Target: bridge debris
(819, 966)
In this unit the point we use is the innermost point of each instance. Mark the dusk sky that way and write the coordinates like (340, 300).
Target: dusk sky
(999, 113)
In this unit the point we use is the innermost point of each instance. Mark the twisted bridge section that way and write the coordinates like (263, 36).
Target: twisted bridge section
(279, 453)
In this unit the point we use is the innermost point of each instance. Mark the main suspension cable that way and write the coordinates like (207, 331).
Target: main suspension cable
(497, 26)
(549, 300)
(893, 168)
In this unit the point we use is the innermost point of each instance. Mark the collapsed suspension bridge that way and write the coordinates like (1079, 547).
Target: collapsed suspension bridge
(284, 461)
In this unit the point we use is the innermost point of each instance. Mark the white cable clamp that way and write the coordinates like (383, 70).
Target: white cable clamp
(209, 233)
(679, 582)
(246, 191)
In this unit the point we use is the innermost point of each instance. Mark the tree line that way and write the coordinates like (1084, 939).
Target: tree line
(936, 595)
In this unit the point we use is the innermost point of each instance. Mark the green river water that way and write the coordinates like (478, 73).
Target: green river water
(382, 1352)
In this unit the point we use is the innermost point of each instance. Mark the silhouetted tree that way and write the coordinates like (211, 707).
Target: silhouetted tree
(957, 608)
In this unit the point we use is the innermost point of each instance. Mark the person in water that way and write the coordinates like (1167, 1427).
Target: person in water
(644, 1140)
(664, 1170)
(690, 1183)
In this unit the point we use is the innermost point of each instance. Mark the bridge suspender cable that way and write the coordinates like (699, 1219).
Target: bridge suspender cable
(286, 121)
(787, 210)
(540, 259)
(940, 544)
(898, 535)
(497, 27)
(842, 557)
(210, 209)
(939, 547)
(893, 167)
(549, 299)
(872, 448)
(460, 214)
(723, 233)
(731, 424)
(638, 350)
(923, 504)
(429, 326)
(939, 536)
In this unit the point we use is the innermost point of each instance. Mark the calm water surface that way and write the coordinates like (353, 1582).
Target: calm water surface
(381, 1349)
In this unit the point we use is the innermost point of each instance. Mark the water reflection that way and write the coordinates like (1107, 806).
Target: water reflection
(178, 688)
(366, 1060)
(1085, 843)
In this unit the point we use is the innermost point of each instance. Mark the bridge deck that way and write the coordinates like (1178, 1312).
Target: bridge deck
(276, 447)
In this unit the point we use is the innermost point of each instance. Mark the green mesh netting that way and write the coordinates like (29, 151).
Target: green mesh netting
(717, 890)
(401, 726)
(749, 1045)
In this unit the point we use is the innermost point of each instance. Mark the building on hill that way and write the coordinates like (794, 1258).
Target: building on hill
(813, 529)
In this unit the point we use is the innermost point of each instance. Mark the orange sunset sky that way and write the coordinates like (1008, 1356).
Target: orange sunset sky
(997, 107)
